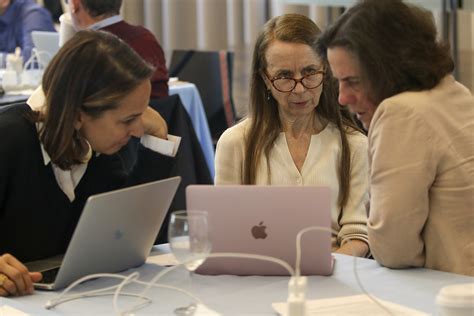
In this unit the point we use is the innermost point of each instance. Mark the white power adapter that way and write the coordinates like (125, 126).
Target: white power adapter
(296, 296)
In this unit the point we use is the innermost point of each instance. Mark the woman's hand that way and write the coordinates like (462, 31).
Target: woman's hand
(354, 247)
(15, 279)
(154, 124)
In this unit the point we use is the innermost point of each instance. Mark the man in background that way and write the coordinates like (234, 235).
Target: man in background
(104, 15)
(54, 6)
(18, 18)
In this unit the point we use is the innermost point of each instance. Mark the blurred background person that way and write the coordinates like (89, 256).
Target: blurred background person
(105, 15)
(296, 132)
(18, 18)
(55, 7)
(397, 78)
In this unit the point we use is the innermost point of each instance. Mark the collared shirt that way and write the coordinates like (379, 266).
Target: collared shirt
(68, 179)
(18, 21)
(105, 22)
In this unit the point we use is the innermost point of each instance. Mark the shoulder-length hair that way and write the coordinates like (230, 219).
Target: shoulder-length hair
(265, 123)
(395, 45)
(91, 73)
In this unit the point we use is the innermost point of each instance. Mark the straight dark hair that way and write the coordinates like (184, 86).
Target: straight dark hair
(265, 122)
(395, 45)
(91, 73)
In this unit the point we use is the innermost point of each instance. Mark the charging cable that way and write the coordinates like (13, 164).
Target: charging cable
(296, 302)
(296, 287)
(112, 290)
(116, 290)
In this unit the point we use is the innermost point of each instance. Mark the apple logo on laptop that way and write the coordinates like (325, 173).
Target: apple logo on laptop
(258, 231)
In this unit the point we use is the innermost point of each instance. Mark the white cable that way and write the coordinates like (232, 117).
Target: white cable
(220, 255)
(224, 255)
(126, 281)
(36, 57)
(62, 298)
(133, 278)
(372, 298)
(356, 275)
(298, 243)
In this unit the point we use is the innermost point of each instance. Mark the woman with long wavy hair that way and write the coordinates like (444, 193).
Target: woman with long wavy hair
(296, 132)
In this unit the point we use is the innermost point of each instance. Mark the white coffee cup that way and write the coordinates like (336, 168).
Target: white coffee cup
(456, 300)
(66, 28)
(10, 80)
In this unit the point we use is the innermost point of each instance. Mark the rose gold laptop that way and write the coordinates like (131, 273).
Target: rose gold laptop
(264, 220)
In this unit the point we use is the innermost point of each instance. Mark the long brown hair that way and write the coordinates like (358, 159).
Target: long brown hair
(265, 123)
(91, 73)
(395, 45)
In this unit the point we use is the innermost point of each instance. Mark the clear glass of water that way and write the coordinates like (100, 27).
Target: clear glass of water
(188, 236)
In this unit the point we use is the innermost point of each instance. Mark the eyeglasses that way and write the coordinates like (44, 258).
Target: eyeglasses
(309, 81)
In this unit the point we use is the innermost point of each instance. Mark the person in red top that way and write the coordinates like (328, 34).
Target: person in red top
(104, 15)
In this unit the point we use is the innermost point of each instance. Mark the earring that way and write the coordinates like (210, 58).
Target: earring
(269, 95)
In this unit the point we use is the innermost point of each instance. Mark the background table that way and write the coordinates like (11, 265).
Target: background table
(232, 295)
(12, 98)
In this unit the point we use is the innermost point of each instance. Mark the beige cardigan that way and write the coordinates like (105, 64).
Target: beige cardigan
(320, 169)
(421, 154)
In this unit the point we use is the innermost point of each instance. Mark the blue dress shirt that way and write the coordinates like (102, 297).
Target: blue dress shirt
(18, 21)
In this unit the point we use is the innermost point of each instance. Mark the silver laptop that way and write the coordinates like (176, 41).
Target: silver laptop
(264, 220)
(46, 44)
(116, 232)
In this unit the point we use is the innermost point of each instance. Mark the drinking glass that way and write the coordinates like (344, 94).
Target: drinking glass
(188, 237)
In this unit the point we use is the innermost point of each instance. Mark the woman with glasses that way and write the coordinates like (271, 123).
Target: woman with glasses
(296, 133)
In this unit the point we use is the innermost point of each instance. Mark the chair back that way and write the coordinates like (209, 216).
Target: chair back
(211, 72)
(190, 163)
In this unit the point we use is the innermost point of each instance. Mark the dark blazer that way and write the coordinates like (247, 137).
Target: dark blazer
(190, 163)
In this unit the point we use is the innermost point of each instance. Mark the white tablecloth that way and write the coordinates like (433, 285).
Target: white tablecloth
(233, 295)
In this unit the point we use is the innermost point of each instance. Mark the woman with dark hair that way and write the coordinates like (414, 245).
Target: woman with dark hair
(62, 147)
(396, 77)
(296, 133)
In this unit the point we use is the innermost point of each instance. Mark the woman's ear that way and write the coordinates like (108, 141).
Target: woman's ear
(79, 120)
(266, 80)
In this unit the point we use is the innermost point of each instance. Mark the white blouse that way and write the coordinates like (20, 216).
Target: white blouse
(321, 168)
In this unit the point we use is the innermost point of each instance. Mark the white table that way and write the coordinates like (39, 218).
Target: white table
(191, 99)
(232, 295)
